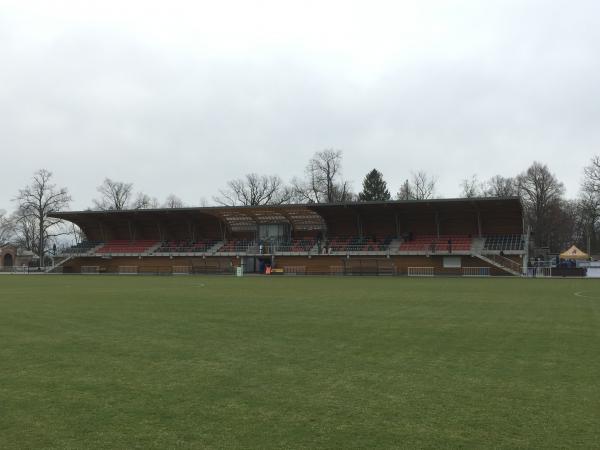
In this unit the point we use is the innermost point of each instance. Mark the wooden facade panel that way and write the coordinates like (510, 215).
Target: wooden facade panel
(316, 264)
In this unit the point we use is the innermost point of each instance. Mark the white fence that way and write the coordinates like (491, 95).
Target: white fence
(476, 271)
(128, 270)
(182, 270)
(420, 271)
(24, 269)
(90, 269)
(539, 272)
(294, 270)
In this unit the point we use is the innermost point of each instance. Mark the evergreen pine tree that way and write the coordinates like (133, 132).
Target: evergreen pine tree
(374, 188)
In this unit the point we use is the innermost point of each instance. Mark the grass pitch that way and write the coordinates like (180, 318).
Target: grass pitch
(219, 362)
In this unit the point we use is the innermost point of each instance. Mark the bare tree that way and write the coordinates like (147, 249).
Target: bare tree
(589, 206)
(584, 223)
(76, 233)
(173, 201)
(564, 224)
(423, 185)
(471, 187)
(26, 232)
(7, 228)
(118, 195)
(35, 203)
(114, 195)
(323, 182)
(541, 193)
(420, 187)
(499, 186)
(254, 190)
(144, 201)
(405, 192)
(591, 174)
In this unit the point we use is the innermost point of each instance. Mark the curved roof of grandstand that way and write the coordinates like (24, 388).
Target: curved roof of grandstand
(306, 216)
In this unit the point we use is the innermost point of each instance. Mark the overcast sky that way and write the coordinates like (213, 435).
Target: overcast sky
(178, 97)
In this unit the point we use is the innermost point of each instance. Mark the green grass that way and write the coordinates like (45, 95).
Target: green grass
(219, 362)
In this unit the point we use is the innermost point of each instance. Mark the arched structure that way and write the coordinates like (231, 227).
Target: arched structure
(8, 256)
(8, 260)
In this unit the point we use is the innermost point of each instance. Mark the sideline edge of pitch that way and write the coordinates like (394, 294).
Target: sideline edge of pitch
(581, 294)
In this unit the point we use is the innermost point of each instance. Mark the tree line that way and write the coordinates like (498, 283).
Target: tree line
(555, 221)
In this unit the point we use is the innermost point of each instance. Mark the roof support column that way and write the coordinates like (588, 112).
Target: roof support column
(160, 232)
(479, 223)
(223, 231)
(102, 233)
(190, 230)
(131, 231)
(437, 223)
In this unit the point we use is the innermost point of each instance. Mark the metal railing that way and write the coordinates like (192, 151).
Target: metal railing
(505, 262)
(420, 271)
(539, 272)
(476, 271)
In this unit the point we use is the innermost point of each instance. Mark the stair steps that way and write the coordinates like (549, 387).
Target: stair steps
(501, 262)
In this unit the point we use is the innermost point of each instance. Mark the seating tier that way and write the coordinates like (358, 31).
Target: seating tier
(236, 245)
(297, 245)
(186, 246)
(359, 244)
(82, 247)
(124, 246)
(433, 243)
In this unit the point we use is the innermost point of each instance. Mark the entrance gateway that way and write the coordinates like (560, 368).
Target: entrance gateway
(8, 260)
(270, 236)
(8, 256)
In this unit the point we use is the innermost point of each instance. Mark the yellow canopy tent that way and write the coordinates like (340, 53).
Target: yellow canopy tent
(574, 253)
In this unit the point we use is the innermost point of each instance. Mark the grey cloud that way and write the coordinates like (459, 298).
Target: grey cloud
(93, 101)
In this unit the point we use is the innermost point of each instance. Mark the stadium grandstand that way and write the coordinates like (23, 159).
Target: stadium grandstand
(470, 237)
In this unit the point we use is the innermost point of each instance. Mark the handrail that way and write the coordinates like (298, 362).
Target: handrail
(506, 262)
